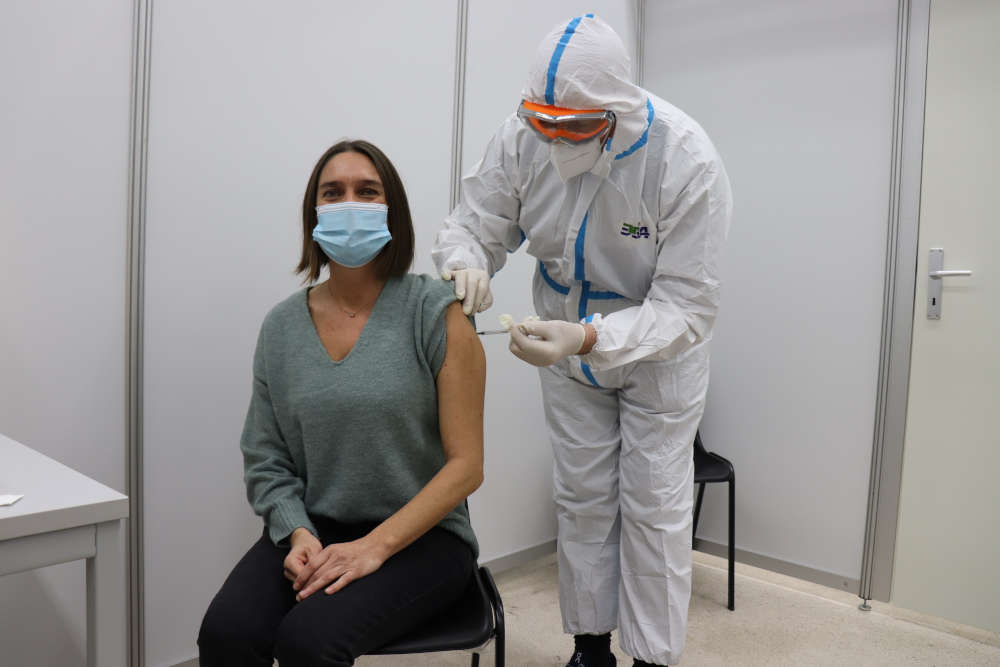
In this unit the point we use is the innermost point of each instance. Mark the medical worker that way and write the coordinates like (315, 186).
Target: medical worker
(625, 203)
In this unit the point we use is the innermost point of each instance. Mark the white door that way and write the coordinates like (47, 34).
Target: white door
(948, 545)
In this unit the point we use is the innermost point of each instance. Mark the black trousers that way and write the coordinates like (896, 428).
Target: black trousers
(254, 618)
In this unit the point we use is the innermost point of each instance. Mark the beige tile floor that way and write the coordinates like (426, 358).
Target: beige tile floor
(778, 621)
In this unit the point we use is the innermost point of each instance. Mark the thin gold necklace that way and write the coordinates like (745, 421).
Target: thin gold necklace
(350, 313)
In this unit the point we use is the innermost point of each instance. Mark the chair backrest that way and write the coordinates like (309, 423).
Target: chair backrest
(699, 448)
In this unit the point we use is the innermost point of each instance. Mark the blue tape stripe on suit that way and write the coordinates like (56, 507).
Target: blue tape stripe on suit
(641, 141)
(580, 239)
(590, 376)
(550, 84)
(548, 279)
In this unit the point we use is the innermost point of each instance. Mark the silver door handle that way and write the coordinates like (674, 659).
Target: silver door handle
(935, 273)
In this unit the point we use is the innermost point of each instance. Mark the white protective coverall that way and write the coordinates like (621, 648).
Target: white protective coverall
(631, 246)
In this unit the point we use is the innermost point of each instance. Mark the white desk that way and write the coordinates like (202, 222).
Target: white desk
(65, 516)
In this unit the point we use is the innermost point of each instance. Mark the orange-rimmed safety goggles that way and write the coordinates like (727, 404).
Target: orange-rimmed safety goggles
(570, 126)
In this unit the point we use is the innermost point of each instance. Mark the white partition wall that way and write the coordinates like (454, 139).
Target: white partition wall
(64, 130)
(798, 98)
(514, 510)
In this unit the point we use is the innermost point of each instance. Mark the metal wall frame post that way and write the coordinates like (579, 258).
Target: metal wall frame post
(885, 478)
(138, 148)
(458, 111)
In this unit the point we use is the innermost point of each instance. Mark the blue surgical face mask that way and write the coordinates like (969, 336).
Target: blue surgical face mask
(351, 233)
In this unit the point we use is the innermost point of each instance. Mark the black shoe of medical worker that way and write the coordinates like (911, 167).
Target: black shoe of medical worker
(592, 651)
(580, 659)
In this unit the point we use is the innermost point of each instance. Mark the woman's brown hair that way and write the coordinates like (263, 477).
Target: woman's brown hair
(397, 255)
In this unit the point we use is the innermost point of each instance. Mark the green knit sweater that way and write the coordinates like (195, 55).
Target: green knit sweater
(352, 440)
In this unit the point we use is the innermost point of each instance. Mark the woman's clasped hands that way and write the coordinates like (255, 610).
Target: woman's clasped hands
(310, 566)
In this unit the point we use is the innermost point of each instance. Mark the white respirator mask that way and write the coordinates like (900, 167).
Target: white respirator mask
(574, 159)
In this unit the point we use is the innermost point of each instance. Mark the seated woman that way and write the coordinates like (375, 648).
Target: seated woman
(363, 438)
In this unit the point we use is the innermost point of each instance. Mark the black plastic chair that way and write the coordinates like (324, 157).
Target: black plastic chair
(469, 624)
(710, 467)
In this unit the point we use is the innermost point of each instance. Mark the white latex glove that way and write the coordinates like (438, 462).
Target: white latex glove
(555, 340)
(472, 287)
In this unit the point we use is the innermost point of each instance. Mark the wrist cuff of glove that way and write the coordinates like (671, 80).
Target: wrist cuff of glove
(598, 322)
(589, 340)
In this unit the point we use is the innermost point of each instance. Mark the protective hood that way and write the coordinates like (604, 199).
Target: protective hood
(582, 64)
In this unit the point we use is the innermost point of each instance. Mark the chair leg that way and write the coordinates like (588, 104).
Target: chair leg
(697, 511)
(475, 659)
(732, 538)
(498, 616)
(498, 645)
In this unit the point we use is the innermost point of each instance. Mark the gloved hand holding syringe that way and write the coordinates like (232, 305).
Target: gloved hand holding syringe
(544, 342)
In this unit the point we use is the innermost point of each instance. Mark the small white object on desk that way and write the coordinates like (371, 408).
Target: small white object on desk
(9, 499)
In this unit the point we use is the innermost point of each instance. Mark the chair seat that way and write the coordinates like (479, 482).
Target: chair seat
(466, 624)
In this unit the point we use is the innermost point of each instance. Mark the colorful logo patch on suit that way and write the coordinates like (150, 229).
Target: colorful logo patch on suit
(635, 231)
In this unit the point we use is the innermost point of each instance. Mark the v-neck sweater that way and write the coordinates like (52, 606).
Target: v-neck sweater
(356, 439)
